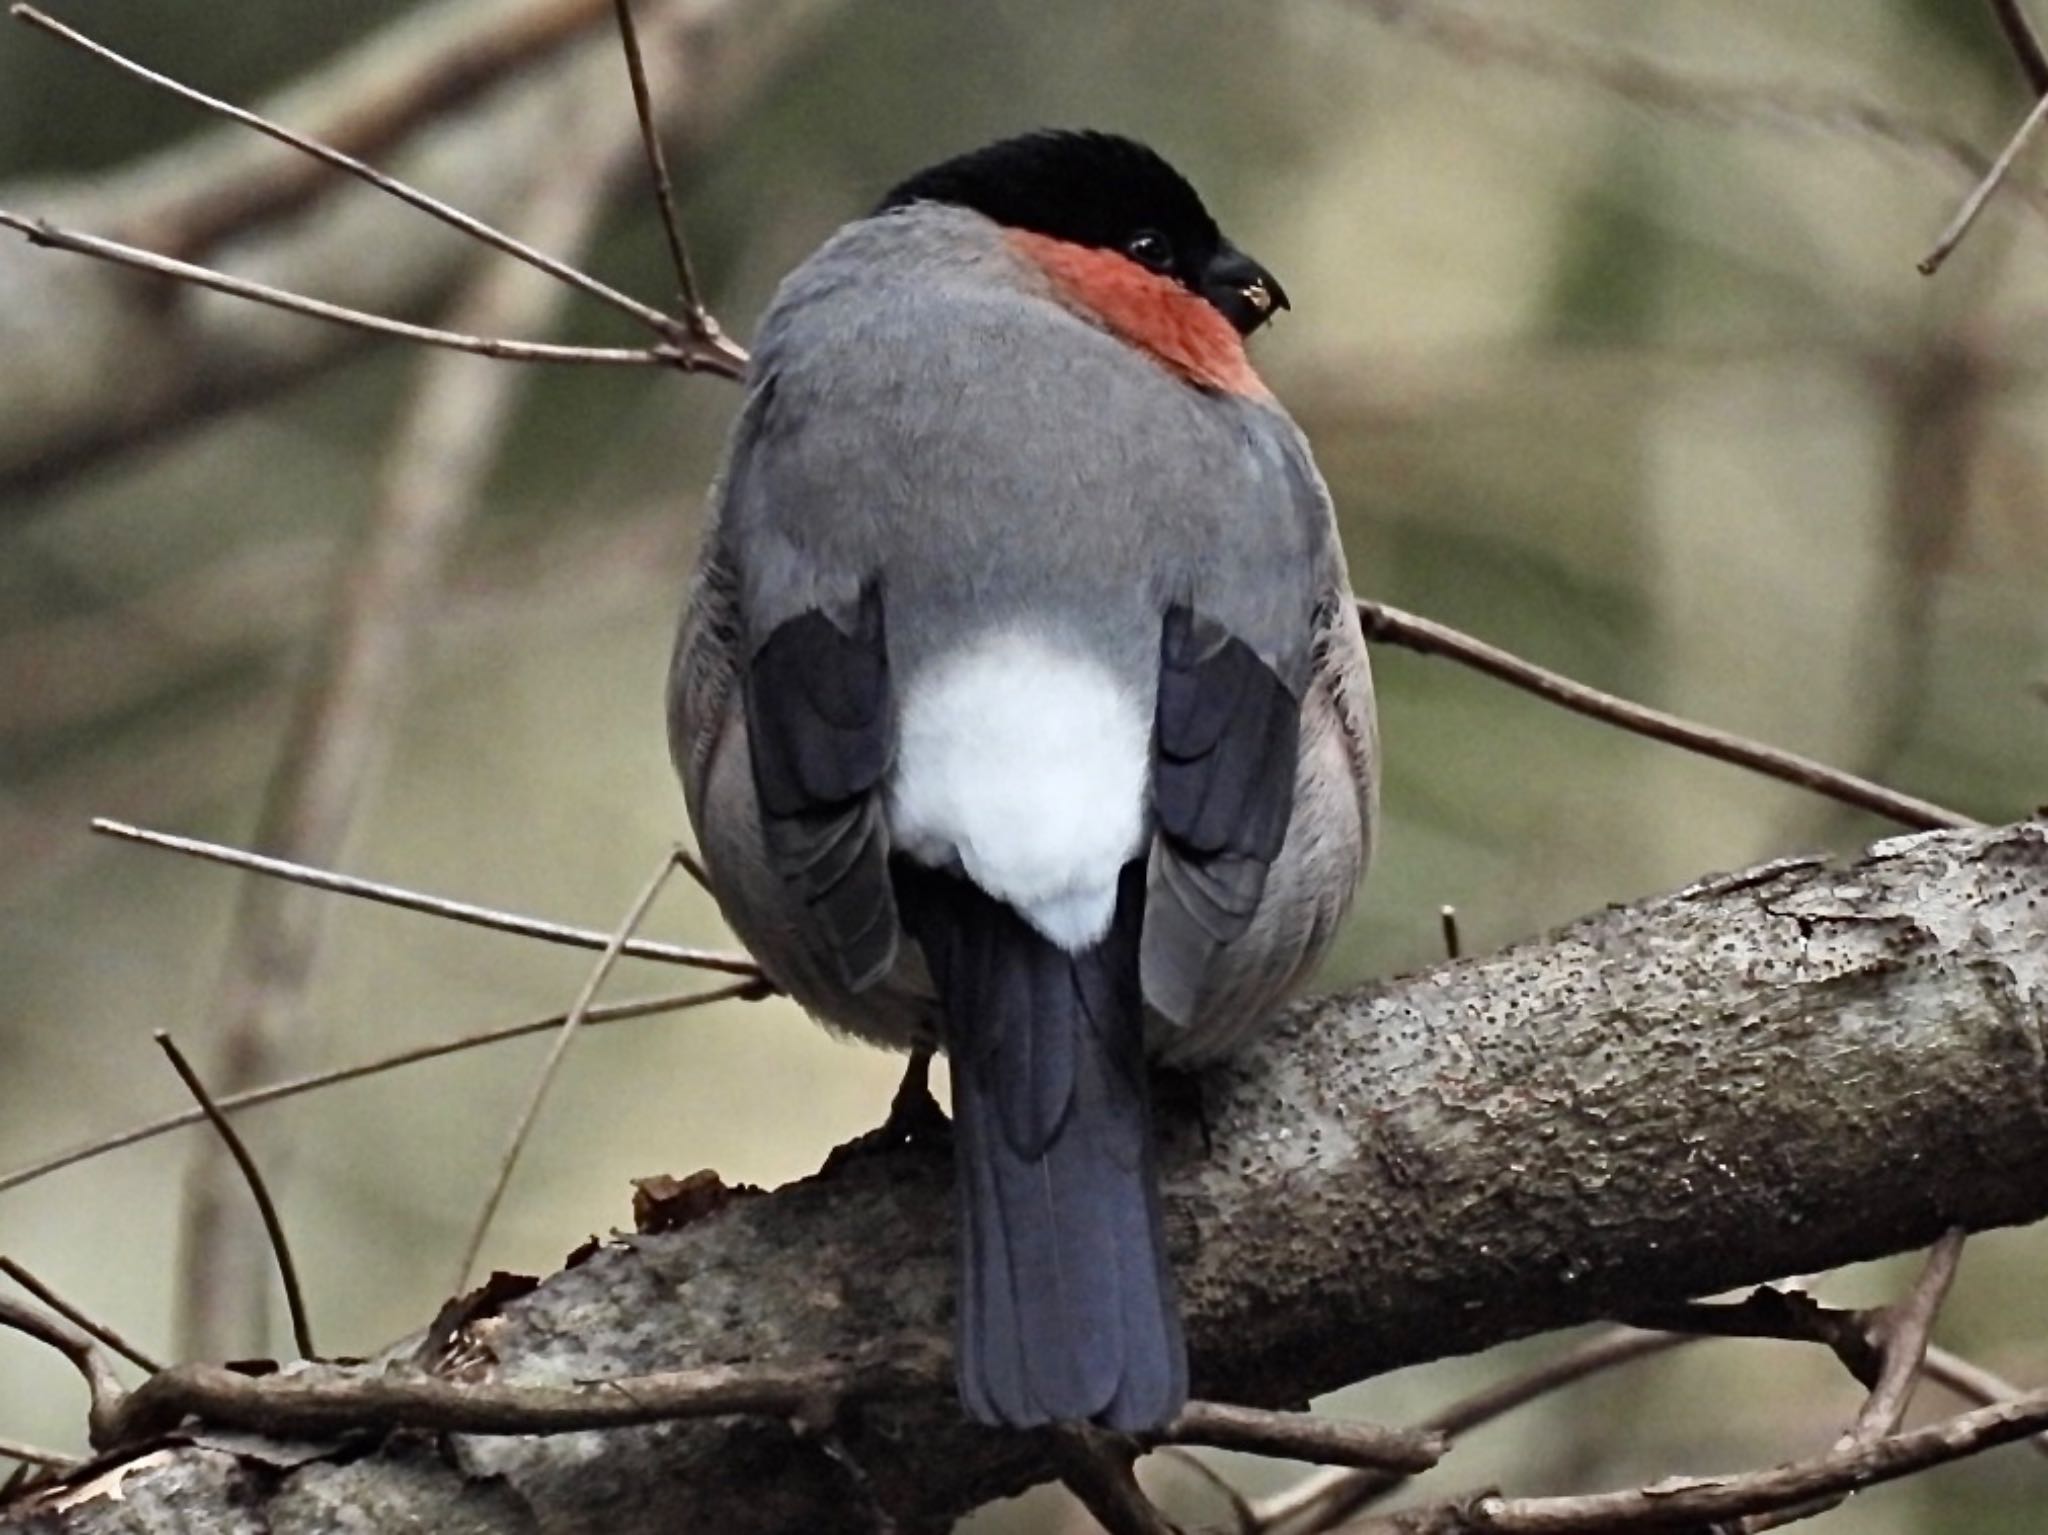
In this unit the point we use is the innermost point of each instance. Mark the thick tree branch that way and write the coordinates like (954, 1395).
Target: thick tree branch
(1771, 1072)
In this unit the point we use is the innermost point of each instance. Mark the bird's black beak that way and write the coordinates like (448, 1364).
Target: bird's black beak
(1241, 290)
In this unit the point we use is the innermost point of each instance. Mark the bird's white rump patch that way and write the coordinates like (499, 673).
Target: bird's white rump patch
(1028, 763)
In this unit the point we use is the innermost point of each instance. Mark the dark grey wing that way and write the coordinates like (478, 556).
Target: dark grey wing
(1235, 661)
(1225, 739)
(818, 733)
(816, 699)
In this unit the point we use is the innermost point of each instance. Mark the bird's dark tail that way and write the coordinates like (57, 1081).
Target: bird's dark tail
(1066, 1304)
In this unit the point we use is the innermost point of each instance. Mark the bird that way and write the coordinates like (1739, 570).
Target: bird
(1021, 707)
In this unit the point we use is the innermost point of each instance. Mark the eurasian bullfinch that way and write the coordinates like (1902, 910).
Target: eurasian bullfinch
(1021, 707)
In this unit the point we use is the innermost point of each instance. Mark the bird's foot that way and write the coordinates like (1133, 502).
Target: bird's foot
(915, 1118)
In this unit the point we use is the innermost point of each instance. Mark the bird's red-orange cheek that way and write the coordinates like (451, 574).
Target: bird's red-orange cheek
(1148, 311)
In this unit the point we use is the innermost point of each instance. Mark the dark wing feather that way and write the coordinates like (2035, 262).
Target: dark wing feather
(818, 732)
(1226, 736)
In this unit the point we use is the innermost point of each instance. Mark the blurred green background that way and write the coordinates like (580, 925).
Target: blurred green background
(1625, 368)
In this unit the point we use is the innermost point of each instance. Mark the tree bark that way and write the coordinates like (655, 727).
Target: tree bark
(1779, 1071)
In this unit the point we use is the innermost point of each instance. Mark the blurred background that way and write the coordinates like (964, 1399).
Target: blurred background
(1608, 336)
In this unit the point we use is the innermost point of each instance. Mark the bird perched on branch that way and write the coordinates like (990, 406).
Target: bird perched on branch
(1021, 707)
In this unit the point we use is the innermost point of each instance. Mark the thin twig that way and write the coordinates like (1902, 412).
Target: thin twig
(608, 1012)
(349, 701)
(288, 1273)
(1241, 1511)
(1327, 1498)
(371, 101)
(1772, 1312)
(103, 1387)
(1980, 194)
(1974, 1383)
(702, 327)
(545, 1077)
(76, 1317)
(2025, 43)
(1305, 1436)
(35, 1455)
(432, 905)
(1602, 1352)
(691, 352)
(1096, 1468)
(1426, 637)
(43, 232)
(384, 95)
(312, 1402)
(1678, 1502)
(1906, 1326)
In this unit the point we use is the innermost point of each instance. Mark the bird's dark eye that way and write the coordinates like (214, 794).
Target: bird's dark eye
(1150, 249)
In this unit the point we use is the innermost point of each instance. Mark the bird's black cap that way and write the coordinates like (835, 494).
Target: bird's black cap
(1108, 192)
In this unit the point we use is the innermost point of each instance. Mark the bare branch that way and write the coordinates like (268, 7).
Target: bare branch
(1306, 1436)
(76, 1317)
(1905, 1326)
(432, 905)
(371, 107)
(1679, 1501)
(689, 352)
(1974, 1383)
(2025, 43)
(273, 1224)
(321, 1400)
(348, 706)
(1245, 1519)
(606, 1012)
(418, 90)
(35, 1455)
(1425, 636)
(701, 325)
(43, 232)
(1980, 194)
(1336, 1144)
(1097, 1471)
(1325, 1499)
(1773, 1312)
(103, 1387)
(545, 1077)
